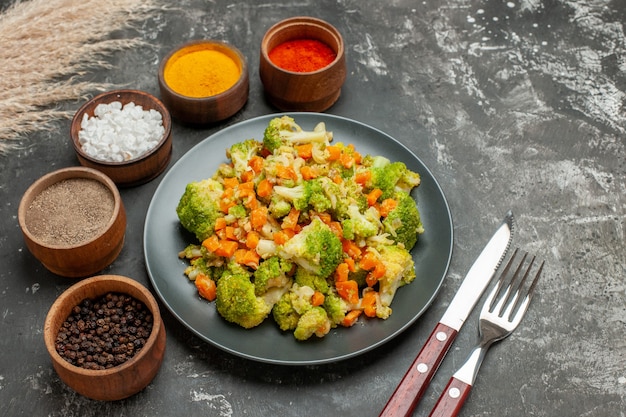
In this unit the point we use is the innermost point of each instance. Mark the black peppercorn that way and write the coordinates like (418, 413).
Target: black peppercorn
(104, 332)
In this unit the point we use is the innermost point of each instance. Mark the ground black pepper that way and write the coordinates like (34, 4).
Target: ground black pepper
(104, 332)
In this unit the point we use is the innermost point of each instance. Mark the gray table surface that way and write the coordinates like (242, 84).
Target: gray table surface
(512, 105)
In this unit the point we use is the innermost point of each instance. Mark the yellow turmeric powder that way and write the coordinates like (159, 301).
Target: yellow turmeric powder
(201, 71)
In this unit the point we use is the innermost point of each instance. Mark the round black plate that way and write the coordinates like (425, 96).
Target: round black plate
(164, 238)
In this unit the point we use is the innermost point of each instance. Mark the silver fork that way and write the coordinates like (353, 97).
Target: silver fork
(502, 312)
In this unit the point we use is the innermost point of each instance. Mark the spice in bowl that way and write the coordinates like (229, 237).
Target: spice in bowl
(119, 133)
(70, 212)
(200, 70)
(104, 332)
(302, 55)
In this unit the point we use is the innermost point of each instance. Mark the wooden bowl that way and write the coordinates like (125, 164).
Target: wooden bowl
(140, 169)
(302, 91)
(207, 109)
(123, 380)
(74, 258)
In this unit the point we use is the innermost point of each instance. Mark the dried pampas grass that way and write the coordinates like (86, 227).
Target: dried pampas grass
(46, 46)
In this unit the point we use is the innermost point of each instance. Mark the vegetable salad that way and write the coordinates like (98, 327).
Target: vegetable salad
(303, 229)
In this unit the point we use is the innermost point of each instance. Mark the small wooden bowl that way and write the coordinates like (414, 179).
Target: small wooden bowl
(135, 171)
(302, 91)
(210, 109)
(83, 258)
(123, 380)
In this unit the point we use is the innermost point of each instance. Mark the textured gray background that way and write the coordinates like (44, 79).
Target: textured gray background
(512, 105)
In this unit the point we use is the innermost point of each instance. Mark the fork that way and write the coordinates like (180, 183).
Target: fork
(502, 312)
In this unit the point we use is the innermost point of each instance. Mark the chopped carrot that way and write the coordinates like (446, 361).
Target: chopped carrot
(230, 233)
(211, 243)
(337, 179)
(246, 186)
(369, 303)
(280, 237)
(225, 205)
(309, 172)
(370, 279)
(351, 318)
(264, 189)
(220, 223)
(351, 264)
(348, 290)
(324, 217)
(290, 221)
(373, 195)
(226, 248)
(305, 151)
(247, 176)
(334, 152)
(286, 172)
(258, 217)
(363, 177)
(386, 206)
(247, 257)
(351, 249)
(341, 272)
(346, 160)
(317, 299)
(252, 239)
(256, 163)
(357, 157)
(206, 287)
(336, 228)
(368, 261)
(231, 182)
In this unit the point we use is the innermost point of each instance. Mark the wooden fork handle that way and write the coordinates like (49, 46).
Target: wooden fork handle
(452, 399)
(416, 380)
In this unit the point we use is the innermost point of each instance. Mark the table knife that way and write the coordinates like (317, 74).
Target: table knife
(412, 386)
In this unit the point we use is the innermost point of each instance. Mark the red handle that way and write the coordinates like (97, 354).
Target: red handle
(452, 399)
(414, 383)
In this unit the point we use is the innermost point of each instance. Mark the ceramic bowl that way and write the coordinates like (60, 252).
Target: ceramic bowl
(207, 109)
(134, 171)
(78, 257)
(120, 381)
(302, 91)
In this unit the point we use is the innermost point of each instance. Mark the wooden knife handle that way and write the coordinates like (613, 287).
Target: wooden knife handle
(452, 399)
(414, 383)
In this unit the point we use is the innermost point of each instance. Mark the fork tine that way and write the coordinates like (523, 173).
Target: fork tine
(519, 314)
(495, 293)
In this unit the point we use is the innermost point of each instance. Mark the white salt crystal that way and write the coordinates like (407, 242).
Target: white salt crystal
(119, 133)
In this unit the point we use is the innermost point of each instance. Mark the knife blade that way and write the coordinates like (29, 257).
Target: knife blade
(412, 386)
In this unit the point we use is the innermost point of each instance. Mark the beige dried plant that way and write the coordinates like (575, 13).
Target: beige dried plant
(46, 47)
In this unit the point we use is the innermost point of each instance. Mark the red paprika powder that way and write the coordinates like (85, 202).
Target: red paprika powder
(302, 55)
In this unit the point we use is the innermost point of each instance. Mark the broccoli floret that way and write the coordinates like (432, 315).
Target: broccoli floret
(298, 195)
(237, 302)
(271, 273)
(285, 131)
(315, 248)
(238, 211)
(304, 277)
(198, 209)
(360, 225)
(279, 207)
(399, 271)
(336, 308)
(314, 322)
(403, 223)
(318, 198)
(309, 193)
(240, 154)
(391, 177)
(284, 314)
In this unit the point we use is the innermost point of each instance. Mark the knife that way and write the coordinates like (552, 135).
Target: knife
(412, 386)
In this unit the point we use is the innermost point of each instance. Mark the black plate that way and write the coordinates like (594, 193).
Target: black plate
(164, 238)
